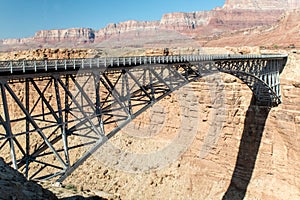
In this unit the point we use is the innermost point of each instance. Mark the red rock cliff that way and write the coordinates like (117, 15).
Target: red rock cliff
(235, 15)
(262, 5)
(73, 34)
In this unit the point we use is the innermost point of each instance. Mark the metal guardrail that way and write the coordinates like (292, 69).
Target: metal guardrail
(25, 66)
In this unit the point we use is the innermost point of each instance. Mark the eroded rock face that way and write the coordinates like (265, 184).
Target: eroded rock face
(283, 34)
(84, 35)
(234, 16)
(48, 54)
(124, 27)
(262, 4)
(13, 185)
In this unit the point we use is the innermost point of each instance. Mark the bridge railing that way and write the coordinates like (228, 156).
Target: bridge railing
(68, 64)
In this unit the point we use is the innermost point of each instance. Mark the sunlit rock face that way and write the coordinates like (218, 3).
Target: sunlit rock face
(262, 4)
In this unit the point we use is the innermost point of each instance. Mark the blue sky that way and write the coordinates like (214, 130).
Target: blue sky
(22, 18)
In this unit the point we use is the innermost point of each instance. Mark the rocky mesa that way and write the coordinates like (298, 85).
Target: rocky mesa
(233, 16)
(262, 5)
(284, 34)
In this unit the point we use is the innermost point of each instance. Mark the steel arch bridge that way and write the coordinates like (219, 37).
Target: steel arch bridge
(45, 105)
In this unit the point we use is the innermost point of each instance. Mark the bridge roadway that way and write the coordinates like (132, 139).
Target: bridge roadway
(42, 66)
(56, 100)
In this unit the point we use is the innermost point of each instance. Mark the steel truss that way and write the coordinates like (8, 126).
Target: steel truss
(262, 77)
(46, 117)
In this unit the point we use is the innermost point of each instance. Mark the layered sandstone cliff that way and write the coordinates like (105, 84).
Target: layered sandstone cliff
(75, 34)
(262, 4)
(234, 16)
(48, 54)
(284, 34)
(123, 27)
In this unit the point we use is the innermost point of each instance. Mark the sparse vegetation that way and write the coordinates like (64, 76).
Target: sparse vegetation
(71, 187)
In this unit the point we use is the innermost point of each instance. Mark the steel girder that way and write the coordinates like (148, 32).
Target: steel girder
(45, 120)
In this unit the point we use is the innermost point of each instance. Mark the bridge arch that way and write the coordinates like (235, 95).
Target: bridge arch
(263, 93)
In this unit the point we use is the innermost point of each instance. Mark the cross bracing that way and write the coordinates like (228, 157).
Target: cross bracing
(47, 105)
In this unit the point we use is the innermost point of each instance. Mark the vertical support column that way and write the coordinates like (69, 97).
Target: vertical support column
(8, 126)
(27, 95)
(151, 84)
(170, 76)
(125, 91)
(98, 101)
(61, 123)
(67, 107)
(128, 92)
(278, 90)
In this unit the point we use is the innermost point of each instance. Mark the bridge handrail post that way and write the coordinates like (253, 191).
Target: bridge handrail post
(111, 61)
(23, 65)
(11, 66)
(65, 62)
(46, 65)
(55, 63)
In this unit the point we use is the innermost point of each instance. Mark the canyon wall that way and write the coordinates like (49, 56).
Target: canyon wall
(262, 4)
(284, 34)
(72, 35)
(198, 26)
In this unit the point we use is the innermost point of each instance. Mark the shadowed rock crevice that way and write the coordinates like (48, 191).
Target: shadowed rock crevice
(254, 125)
(13, 185)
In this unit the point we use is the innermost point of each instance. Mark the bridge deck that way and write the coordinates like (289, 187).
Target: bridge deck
(109, 63)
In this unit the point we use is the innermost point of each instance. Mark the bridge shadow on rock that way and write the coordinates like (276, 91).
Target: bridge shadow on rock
(254, 125)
